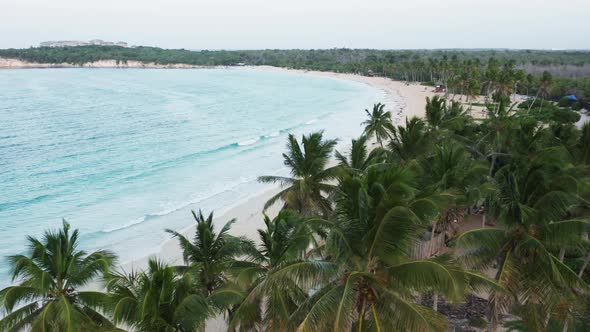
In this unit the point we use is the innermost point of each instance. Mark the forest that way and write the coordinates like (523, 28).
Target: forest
(448, 222)
(571, 69)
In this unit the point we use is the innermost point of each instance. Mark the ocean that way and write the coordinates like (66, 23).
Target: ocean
(122, 154)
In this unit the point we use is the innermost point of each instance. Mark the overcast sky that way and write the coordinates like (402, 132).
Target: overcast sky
(256, 24)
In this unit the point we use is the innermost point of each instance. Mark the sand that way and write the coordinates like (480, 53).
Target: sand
(248, 213)
(8, 63)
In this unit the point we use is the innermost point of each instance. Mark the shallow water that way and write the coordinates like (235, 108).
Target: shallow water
(118, 153)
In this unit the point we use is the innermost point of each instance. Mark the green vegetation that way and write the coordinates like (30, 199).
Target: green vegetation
(374, 243)
(48, 296)
(306, 192)
(379, 123)
(463, 71)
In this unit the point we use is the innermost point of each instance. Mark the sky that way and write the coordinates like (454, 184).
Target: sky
(306, 24)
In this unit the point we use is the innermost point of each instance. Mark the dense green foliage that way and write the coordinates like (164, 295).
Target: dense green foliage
(356, 246)
(48, 296)
(467, 66)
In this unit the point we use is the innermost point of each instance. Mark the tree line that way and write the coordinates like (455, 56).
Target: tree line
(340, 255)
(571, 68)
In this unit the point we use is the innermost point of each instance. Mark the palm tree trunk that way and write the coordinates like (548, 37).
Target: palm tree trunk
(435, 302)
(565, 324)
(430, 245)
(493, 310)
(492, 164)
(586, 260)
(431, 238)
(561, 254)
(514, 93)
(534, 99)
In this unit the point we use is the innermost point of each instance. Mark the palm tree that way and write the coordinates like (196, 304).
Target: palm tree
(379, 123)
(268, 283)
(378, 218)
(519, 77)
(582, 148)
(409, 141)
(450, 169)
(160, 299)
(210, 254)
(491, 77)
(497, 130)
(48, 295)
(544, 88)
(359, 158)
(307, 190)
(472, 89)
(506, 81)
(439, 115)
(532, 205)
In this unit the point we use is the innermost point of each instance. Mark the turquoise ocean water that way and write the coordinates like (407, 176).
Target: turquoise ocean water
(121, 153)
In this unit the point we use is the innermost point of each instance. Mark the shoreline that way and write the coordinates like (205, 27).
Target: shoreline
(10, 63)
(248, 212)
(407, 100)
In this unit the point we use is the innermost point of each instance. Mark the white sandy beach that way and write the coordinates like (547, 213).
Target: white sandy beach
(248, 213)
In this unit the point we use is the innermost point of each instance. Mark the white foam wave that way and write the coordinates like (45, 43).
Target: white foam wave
(249, 142)
(311, 121)
(179, 206)
(127, 225)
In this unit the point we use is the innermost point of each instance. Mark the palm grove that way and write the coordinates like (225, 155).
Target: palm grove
(461, 70)
(341, 254)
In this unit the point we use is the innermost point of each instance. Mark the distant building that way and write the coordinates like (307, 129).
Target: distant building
(63, 43)
(73, 43)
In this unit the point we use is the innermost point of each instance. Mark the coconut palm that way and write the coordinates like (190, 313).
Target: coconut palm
(491, 77)
(307, 190)
(48, 296)
(545, 84)
(379, 123)
(532, 204)
(506, 81)
(440, 115)
(210, 254)
(268, 284)
(359, 158)
(409, 141)
(582, 148)
(159, 299)
(472, 90)
(450, 168)
(497, 129)
(378, 218)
